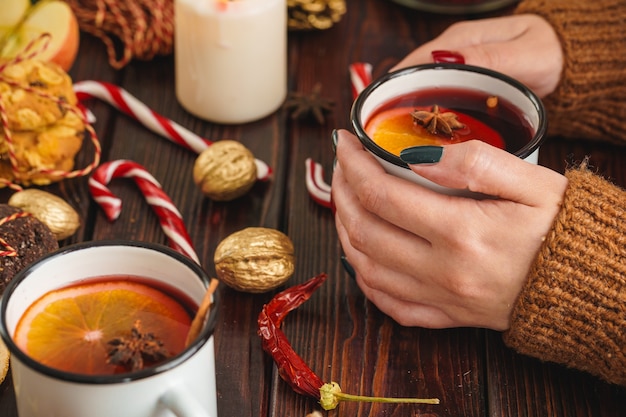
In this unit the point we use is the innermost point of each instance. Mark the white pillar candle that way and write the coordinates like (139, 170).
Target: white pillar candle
(231, 58)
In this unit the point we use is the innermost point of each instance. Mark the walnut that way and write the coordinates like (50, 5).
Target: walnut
(51, 210)
(225, 170)
(255, 259)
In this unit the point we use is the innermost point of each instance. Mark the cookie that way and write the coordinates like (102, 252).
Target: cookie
(51, 148)
(4, 361)
(27, 110)
(29, 237)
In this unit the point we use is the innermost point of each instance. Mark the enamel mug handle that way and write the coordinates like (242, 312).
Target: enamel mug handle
(182, 404)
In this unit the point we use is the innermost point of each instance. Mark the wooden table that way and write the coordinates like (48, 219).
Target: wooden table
(340, 334)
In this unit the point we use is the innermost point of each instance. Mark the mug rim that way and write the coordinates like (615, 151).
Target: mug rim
(538, 138)
(125, 377)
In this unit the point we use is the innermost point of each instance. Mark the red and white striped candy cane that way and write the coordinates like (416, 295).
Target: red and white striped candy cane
(169, 217)
(127, 103)
(360, 76)
(319, 190)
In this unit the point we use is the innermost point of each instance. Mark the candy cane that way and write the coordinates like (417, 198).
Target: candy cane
(318, 189)
(169, 217)
(127, 103)
(360, 76)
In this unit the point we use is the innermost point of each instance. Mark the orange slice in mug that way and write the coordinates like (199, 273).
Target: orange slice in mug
(68, 328)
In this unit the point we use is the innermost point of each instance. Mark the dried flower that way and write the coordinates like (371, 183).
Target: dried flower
(133, 351)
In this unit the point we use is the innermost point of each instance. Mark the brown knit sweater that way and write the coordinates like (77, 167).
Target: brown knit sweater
(593, 36)
(573, 307)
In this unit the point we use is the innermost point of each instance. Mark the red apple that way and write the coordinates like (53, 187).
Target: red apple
(54, 17)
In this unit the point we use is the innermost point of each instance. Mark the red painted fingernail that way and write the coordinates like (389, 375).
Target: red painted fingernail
(447, 56)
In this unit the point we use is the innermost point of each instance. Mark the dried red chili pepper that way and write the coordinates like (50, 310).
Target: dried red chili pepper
(291, 367)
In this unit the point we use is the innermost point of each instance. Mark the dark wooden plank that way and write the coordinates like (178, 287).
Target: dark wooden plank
(523, 386)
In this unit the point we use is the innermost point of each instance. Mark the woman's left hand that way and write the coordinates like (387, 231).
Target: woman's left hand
(525, 47)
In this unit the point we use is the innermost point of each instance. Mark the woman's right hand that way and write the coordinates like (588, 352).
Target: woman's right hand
(525, 47)
(433, 260)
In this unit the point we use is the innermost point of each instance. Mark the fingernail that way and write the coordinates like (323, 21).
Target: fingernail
(422, 154)
(447, 56)
(348, 267)
(335, 138)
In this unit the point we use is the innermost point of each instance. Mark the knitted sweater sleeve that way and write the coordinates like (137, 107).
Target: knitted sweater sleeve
(573, 307)
(590, 101)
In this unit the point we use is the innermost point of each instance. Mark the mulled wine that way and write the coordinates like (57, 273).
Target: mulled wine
(446, 115)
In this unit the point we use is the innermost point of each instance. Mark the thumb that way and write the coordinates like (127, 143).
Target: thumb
(479, 167)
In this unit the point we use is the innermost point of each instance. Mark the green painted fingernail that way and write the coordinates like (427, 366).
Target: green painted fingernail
(422, 154)
(335, 139)
(348, 268)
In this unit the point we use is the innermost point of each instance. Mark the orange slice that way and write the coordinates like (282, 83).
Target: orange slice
(69, 328)
(395, 130)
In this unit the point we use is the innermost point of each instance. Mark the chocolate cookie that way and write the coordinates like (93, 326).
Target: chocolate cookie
(29, 237)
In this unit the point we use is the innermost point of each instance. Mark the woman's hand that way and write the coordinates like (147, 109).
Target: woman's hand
(524, 47)
(433, 260)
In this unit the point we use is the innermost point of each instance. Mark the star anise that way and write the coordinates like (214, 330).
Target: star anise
(436, 122)
(131, 352)
(303, 105)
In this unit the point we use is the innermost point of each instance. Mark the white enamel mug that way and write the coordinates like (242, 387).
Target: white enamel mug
(182, 386)
(445, 75)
